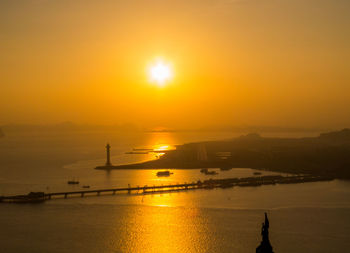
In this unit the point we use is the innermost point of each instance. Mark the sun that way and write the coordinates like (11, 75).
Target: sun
(160, 73)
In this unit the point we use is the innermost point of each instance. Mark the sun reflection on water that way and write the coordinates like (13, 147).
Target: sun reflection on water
(166, 222)
(163, 228)
(161, 142)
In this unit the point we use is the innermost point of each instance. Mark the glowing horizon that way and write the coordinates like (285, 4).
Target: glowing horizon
(177, 64)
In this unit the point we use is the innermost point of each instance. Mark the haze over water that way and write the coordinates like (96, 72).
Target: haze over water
(304, 217)
(161, 73)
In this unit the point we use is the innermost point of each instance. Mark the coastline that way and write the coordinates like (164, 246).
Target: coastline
(325, 155)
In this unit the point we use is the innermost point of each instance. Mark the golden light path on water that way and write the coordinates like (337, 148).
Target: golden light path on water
(162, 227)
(161, 142)
(169, 222)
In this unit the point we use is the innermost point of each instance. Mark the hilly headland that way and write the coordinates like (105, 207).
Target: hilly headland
(325, 155)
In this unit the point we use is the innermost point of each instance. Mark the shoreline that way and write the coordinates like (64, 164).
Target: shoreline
(325, 155)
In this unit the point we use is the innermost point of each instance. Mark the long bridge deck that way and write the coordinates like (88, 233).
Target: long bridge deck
(34, 197)
(143, 189)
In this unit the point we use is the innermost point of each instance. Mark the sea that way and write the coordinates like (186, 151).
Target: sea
(304, 218)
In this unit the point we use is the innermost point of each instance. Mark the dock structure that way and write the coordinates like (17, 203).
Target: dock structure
(36, 197)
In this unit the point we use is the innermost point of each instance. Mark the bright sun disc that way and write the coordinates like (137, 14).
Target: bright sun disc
(160, 73)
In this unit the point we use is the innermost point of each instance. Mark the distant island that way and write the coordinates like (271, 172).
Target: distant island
(327, 154)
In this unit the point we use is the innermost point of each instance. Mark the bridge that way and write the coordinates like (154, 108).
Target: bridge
(36, 197)
(144, 189)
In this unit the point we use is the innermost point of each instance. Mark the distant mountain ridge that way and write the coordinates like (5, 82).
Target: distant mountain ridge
(342, 135)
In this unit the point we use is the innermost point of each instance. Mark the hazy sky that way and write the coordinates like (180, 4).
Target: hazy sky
(252, 62)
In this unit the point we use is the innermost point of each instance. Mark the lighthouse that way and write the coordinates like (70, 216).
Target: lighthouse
(108, 162)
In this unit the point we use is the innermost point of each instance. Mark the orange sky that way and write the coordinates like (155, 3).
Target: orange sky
(280, 62)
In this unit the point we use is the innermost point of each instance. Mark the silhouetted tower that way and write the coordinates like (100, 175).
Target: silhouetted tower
(108, 162)
(265, 246)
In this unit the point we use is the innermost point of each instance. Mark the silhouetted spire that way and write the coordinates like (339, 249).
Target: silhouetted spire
(265, 246)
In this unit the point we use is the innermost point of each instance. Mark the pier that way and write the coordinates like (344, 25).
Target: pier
(37, 197)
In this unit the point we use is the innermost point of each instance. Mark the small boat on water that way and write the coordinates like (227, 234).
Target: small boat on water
(73, 182)
(165, 173)
(211, 172)
(208, 172)
(86, 186)
(225, 168)
(137, 152)
(257, 173)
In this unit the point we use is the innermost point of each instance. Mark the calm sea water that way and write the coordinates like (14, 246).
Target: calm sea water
(310, 217)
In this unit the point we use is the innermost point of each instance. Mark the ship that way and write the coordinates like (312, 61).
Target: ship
(165, 173)
(208, 172)
(225, 168)
(73, 182)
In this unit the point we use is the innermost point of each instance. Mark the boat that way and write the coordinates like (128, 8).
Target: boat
(208, 172)
(225, 168)
(211, 172)
(137, 152)
(257, 173)
(86, 186)
(73, 182)
(165, 173)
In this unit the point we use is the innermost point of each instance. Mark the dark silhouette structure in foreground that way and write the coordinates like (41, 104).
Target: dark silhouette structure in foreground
(265, 246)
